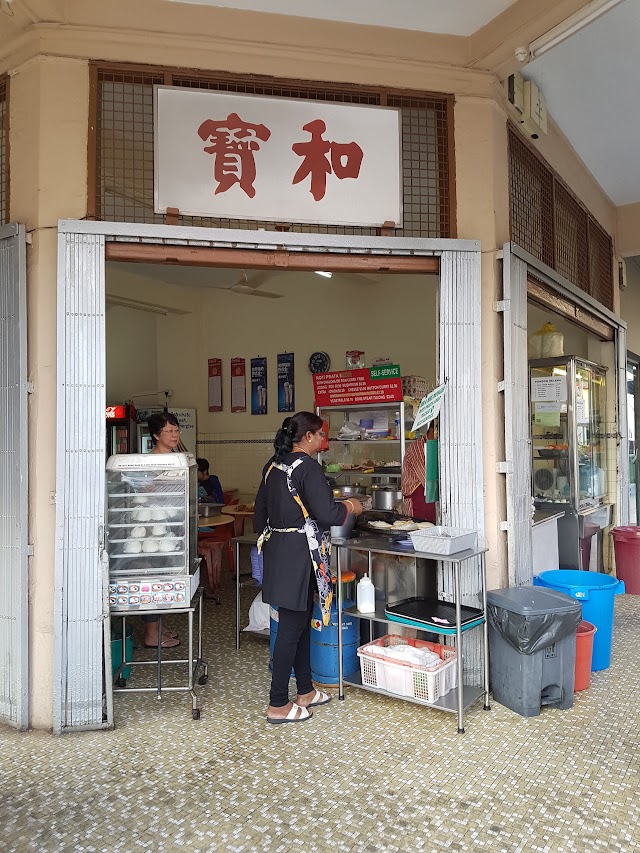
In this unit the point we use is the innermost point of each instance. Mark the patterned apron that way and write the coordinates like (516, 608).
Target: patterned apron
(319, 543)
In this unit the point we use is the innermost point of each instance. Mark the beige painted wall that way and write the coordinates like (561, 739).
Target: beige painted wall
(48, 138)
(630, 306)
(132, 353)
(396, 317)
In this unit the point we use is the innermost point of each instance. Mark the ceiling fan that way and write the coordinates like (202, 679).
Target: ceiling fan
(249, 286)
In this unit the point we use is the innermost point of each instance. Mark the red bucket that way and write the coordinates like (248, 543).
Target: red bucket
(584, 653)
(626, 542)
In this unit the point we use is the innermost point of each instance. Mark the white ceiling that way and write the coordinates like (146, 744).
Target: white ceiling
(456, 17)
(590, 84)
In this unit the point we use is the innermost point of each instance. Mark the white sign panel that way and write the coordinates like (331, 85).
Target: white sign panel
(429, 408)
(548, 389)
(273, 159)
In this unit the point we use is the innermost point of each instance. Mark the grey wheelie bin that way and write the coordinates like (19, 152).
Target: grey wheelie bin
(532, 647)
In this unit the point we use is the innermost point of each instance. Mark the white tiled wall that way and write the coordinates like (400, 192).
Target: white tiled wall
(239, 461)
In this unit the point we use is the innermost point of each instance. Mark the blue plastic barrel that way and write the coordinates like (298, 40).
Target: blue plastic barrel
(324, 645)
(596, 592)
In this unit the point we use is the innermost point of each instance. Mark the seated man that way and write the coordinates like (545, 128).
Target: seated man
(209, 484)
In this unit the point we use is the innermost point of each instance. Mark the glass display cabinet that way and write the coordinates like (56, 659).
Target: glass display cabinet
(569, 455)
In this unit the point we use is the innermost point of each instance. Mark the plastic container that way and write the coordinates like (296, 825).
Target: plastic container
(116, 654)
(626, 542)
(405, 679)
(324, 644)
(443, 540)
(584, 653)
(532, 648)
(595, 591)
(366, 595)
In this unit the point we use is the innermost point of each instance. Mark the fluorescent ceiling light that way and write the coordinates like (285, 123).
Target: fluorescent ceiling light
(573, 24)
(325, 274)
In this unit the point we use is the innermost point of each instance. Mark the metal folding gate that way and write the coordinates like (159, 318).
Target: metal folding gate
(14, 548)
(516, 265)
(81, 612)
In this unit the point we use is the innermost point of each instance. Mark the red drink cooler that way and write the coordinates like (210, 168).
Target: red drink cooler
(626, 541)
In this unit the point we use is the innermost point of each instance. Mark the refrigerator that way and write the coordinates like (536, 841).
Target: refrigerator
(152, 532)
(122, 432)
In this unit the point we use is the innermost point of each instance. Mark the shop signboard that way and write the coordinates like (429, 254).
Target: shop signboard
(286, 383)
(215, 384)
(238, 385)
(358, 387)
(238, 156)
(258, 386)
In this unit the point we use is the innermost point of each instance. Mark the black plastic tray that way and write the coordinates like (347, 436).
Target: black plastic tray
(420, 612)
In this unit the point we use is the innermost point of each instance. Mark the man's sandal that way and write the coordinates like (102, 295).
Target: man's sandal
(292, 716)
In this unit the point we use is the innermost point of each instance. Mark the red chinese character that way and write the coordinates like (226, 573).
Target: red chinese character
(317, 164)
(233, 143)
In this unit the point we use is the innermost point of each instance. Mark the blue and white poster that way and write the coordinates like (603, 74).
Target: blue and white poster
(258, 386)
(286, 385)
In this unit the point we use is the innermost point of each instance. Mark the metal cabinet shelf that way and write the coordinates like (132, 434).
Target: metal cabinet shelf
(464, 695)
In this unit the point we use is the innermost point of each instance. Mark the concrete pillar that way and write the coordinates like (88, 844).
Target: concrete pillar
(482, 191)
(49, 112)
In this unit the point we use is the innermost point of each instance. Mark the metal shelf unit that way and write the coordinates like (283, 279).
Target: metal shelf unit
(464, 695)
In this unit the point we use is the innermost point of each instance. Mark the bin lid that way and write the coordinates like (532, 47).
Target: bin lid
(532, 600)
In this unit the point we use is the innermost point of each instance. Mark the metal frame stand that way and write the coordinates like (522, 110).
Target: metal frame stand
(193, 664)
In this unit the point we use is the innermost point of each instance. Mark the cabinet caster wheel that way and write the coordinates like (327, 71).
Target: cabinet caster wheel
(196, 713)
(203, 679)
(121, 682)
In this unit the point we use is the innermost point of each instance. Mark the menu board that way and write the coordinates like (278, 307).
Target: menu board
(358, 387)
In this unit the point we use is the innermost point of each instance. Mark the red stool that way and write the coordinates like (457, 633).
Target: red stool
(223, 535)
(211, 553)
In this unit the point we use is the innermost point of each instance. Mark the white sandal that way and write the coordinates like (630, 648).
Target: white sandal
(320, 698)
(292, 716)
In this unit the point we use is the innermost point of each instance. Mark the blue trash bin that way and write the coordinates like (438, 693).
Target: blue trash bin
(596, 592)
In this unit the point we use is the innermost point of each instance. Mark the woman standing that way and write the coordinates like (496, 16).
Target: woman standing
(294, 509)
(164, 430)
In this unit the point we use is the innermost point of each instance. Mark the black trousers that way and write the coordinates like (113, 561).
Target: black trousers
(292, 649)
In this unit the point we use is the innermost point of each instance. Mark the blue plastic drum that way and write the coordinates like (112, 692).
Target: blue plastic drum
(596, 592)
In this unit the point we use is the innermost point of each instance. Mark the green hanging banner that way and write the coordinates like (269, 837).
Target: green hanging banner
(431, 491)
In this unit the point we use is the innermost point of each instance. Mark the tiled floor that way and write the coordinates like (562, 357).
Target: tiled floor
(367, 774)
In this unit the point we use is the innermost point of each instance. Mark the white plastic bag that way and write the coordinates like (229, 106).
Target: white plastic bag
(258, 615)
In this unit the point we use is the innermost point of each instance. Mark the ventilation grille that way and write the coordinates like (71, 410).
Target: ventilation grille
(549, 222)
(122, 189)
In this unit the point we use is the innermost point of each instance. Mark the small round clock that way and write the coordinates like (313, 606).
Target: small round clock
(319, 362)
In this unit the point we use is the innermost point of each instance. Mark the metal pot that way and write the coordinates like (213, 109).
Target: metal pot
(347, 491)
(344, 531)
(209, 510)
(385, 497)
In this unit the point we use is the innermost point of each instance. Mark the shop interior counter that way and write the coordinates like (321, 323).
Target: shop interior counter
(464, 695)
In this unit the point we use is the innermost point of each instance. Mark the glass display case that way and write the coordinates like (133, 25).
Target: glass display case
(569, 454)
(152, 530)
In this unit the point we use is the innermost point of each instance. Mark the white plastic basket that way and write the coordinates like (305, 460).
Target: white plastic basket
(443, 540)
(405, 679)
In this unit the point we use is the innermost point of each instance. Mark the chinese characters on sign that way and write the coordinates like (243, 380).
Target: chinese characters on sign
(214, 385)
(273, 159)
(233, 143)
(238, 385)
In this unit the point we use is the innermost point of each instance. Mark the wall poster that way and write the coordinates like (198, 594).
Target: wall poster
(215, 384)
(258, 386)
(286, 384)
(238, 385)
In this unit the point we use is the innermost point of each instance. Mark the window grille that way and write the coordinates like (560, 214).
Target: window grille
(4, 150)
(549, 222)
(121, 182)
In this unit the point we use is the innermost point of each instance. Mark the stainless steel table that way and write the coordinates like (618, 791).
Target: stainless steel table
(245, 581)
(193, 663)
(464, 695)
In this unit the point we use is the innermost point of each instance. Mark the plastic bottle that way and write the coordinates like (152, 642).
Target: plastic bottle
(396, 425)
(366, 595)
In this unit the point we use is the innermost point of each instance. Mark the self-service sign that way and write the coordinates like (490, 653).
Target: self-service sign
(358, 387)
